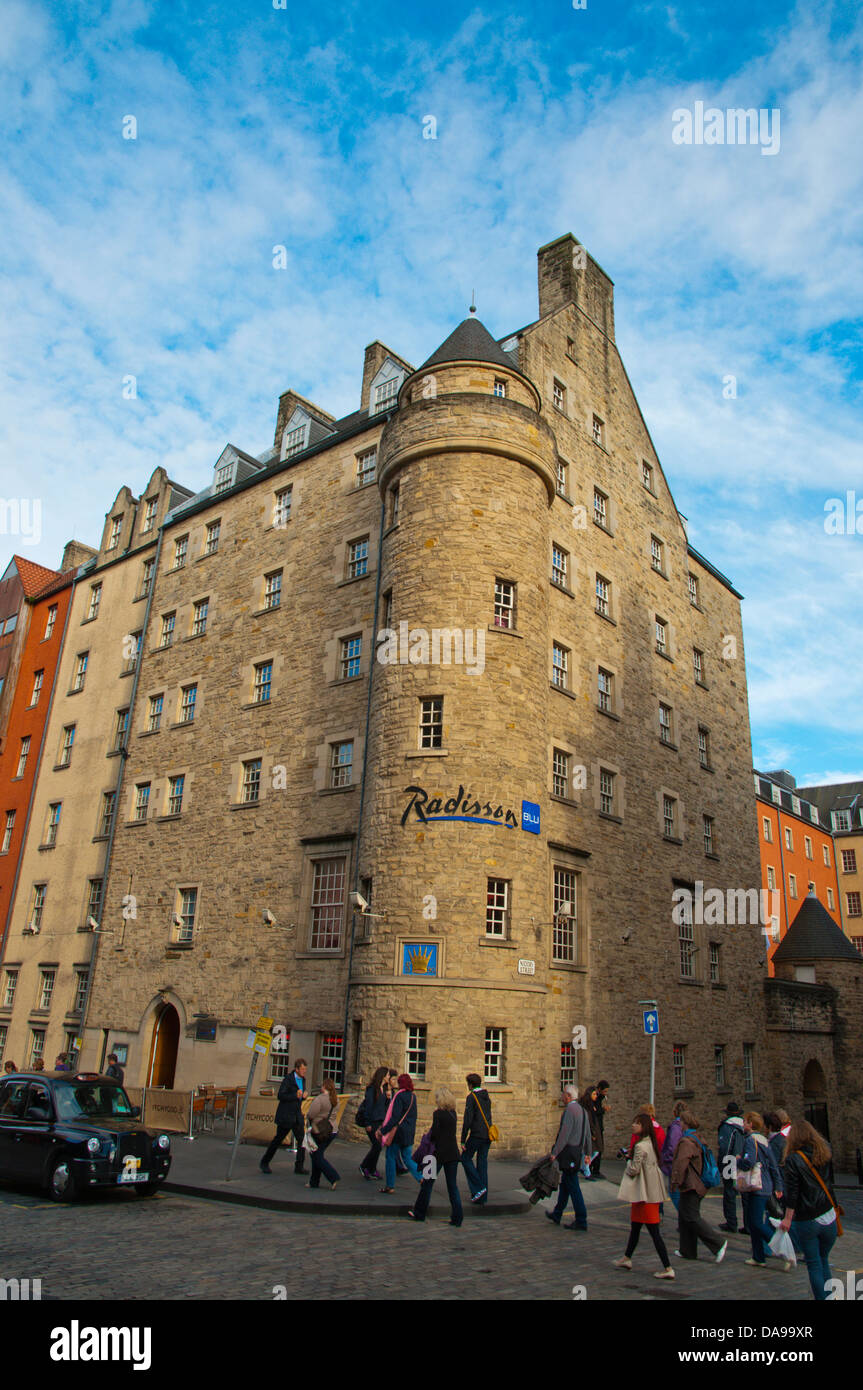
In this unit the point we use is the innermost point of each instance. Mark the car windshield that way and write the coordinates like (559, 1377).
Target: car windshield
(86, 1101)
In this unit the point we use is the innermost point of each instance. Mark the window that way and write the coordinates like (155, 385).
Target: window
(415, 1051)
(328, 904)
(830, 902)
(150, 514)
(211, 540)
(95, 600)
(94, 897)
(40, 891)
(686, 943)
(188, 697)
(168, 623)
(559, 773)
(570, 348)
(351, 655)
(388, 609)
(224, 475)
(134, 640)
(366, 465)
(120, 730)
(9, 987)
(598, 431)
(154, 713)
(693, 590)
(66, 745)
(142, 800)
(53, 826)
(665, 723)
(358, 558)
(272, 590)
(606, 791)
(341, 764)
(647, 475)
(80, 670)
(657, 557)
(176, 786)
(810, 887)
(181, 549)
(841, 820)
(792, 885)
(605, 690)
(559, 563)
(669, 817)
(564, 914)
(807, 843)
(559, 666)
(188, 906)
(568, 1064)
(603, 597)
(251, 790)
(263, 683)
(499, 387)
(497, 907)
(385, 394)
(493, 1065)
(789, 839)
(561, 478)
(116, 528)
(849, 861)
(719, 1067)
(748, 1068)
(768, 832)
(393, 505)
(294, 441)
(279, 1064)
(504, 603)
(332, 1051)
(713, 962)
(703, 746)
(661, 637)
(559, 396)
(23, 755)
(4, 1033)
(282, 507)
(826, 853)
(107, 812)
(708, 834)
(431, 722)
(147, 571)
(199, 617)
(853, 901)
(7, 832)
(600, 508)
(678, 1063)
(50, 621)
(771, 877)
(37, 1045)
(46, 987)
(698, 666)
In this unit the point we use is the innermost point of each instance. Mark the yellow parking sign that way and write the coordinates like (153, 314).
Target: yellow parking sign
(264, 1025)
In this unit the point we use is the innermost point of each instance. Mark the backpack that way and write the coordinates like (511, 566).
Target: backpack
(710, 1174)
(362, 1119)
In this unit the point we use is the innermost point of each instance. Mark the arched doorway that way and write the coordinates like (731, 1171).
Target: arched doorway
(163, 1048)
(815, 1097)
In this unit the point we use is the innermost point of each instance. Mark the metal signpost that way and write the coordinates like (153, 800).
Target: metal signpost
(259, 1042)
(650, 1019)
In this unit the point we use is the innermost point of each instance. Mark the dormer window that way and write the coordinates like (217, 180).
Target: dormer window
(385, 394)
(116, 528)
(294, 441)
(224, 477)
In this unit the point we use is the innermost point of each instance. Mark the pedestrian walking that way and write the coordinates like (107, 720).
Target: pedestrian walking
(60, 1062)
(777, 1124)
(114, 1069)
(392, 1089)
(10, 1067)
(757, 1157)
(601, 1109)
(730, 1145)
(320, 1120)
(811, 1211)
(289, 1116)
(572, 1143)
(686, 1179)
(643, 1186)
(476, 1138)
(400, 1125)
(445, 1156)
(588, 1102)
(669, 1148)
(371, 1116)
(647, 1109)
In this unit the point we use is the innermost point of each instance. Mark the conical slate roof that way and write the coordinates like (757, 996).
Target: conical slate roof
(470, 342)
(813, 935)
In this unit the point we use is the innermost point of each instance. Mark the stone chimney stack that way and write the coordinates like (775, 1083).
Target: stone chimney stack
(75, 553)
(569, 275)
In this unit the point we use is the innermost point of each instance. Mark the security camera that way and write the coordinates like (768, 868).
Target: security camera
(269, 919)
(627, 934)
(359, 902)
(92, 924)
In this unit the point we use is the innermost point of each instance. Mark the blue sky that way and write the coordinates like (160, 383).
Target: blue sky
(303, 127)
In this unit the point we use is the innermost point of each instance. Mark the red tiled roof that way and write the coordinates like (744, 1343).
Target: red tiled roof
(33, 577)
(60, 581)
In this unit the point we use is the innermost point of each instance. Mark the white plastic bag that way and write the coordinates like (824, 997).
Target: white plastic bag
(781, 1243)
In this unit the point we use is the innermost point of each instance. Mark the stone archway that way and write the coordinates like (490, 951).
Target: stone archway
(164, 1045)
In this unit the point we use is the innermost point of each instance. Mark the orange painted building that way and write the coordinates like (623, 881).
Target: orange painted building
(798, 854)
(24, 706)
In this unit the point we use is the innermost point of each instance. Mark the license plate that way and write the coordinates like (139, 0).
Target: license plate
(133, 1177)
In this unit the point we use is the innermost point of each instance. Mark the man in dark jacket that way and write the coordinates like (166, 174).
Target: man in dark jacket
(114, 1069)
(289, 1116)
(475, 1142)
(573, 1138)
(731, 1142)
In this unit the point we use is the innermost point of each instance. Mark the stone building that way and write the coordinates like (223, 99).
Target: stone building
(453, 654)
(841, 803)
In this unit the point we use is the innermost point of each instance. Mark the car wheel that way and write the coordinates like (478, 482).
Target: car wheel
(62, 1185)
(147, 1189)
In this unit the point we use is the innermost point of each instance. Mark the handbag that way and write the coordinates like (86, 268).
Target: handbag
(840, 1211)
(423, 1148)
(750, 1180)
(387, 1139)
(493, 1131)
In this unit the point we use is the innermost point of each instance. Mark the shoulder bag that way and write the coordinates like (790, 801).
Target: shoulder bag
(387, 1139)
(493, 1131)
(840, 1211)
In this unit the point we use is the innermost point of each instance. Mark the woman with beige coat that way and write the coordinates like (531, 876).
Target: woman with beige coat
(644, 1187)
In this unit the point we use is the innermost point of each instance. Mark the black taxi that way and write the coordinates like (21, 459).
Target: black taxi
(69, 1132)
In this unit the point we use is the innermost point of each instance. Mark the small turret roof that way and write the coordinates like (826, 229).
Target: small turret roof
(813, 935)
(470, 342)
